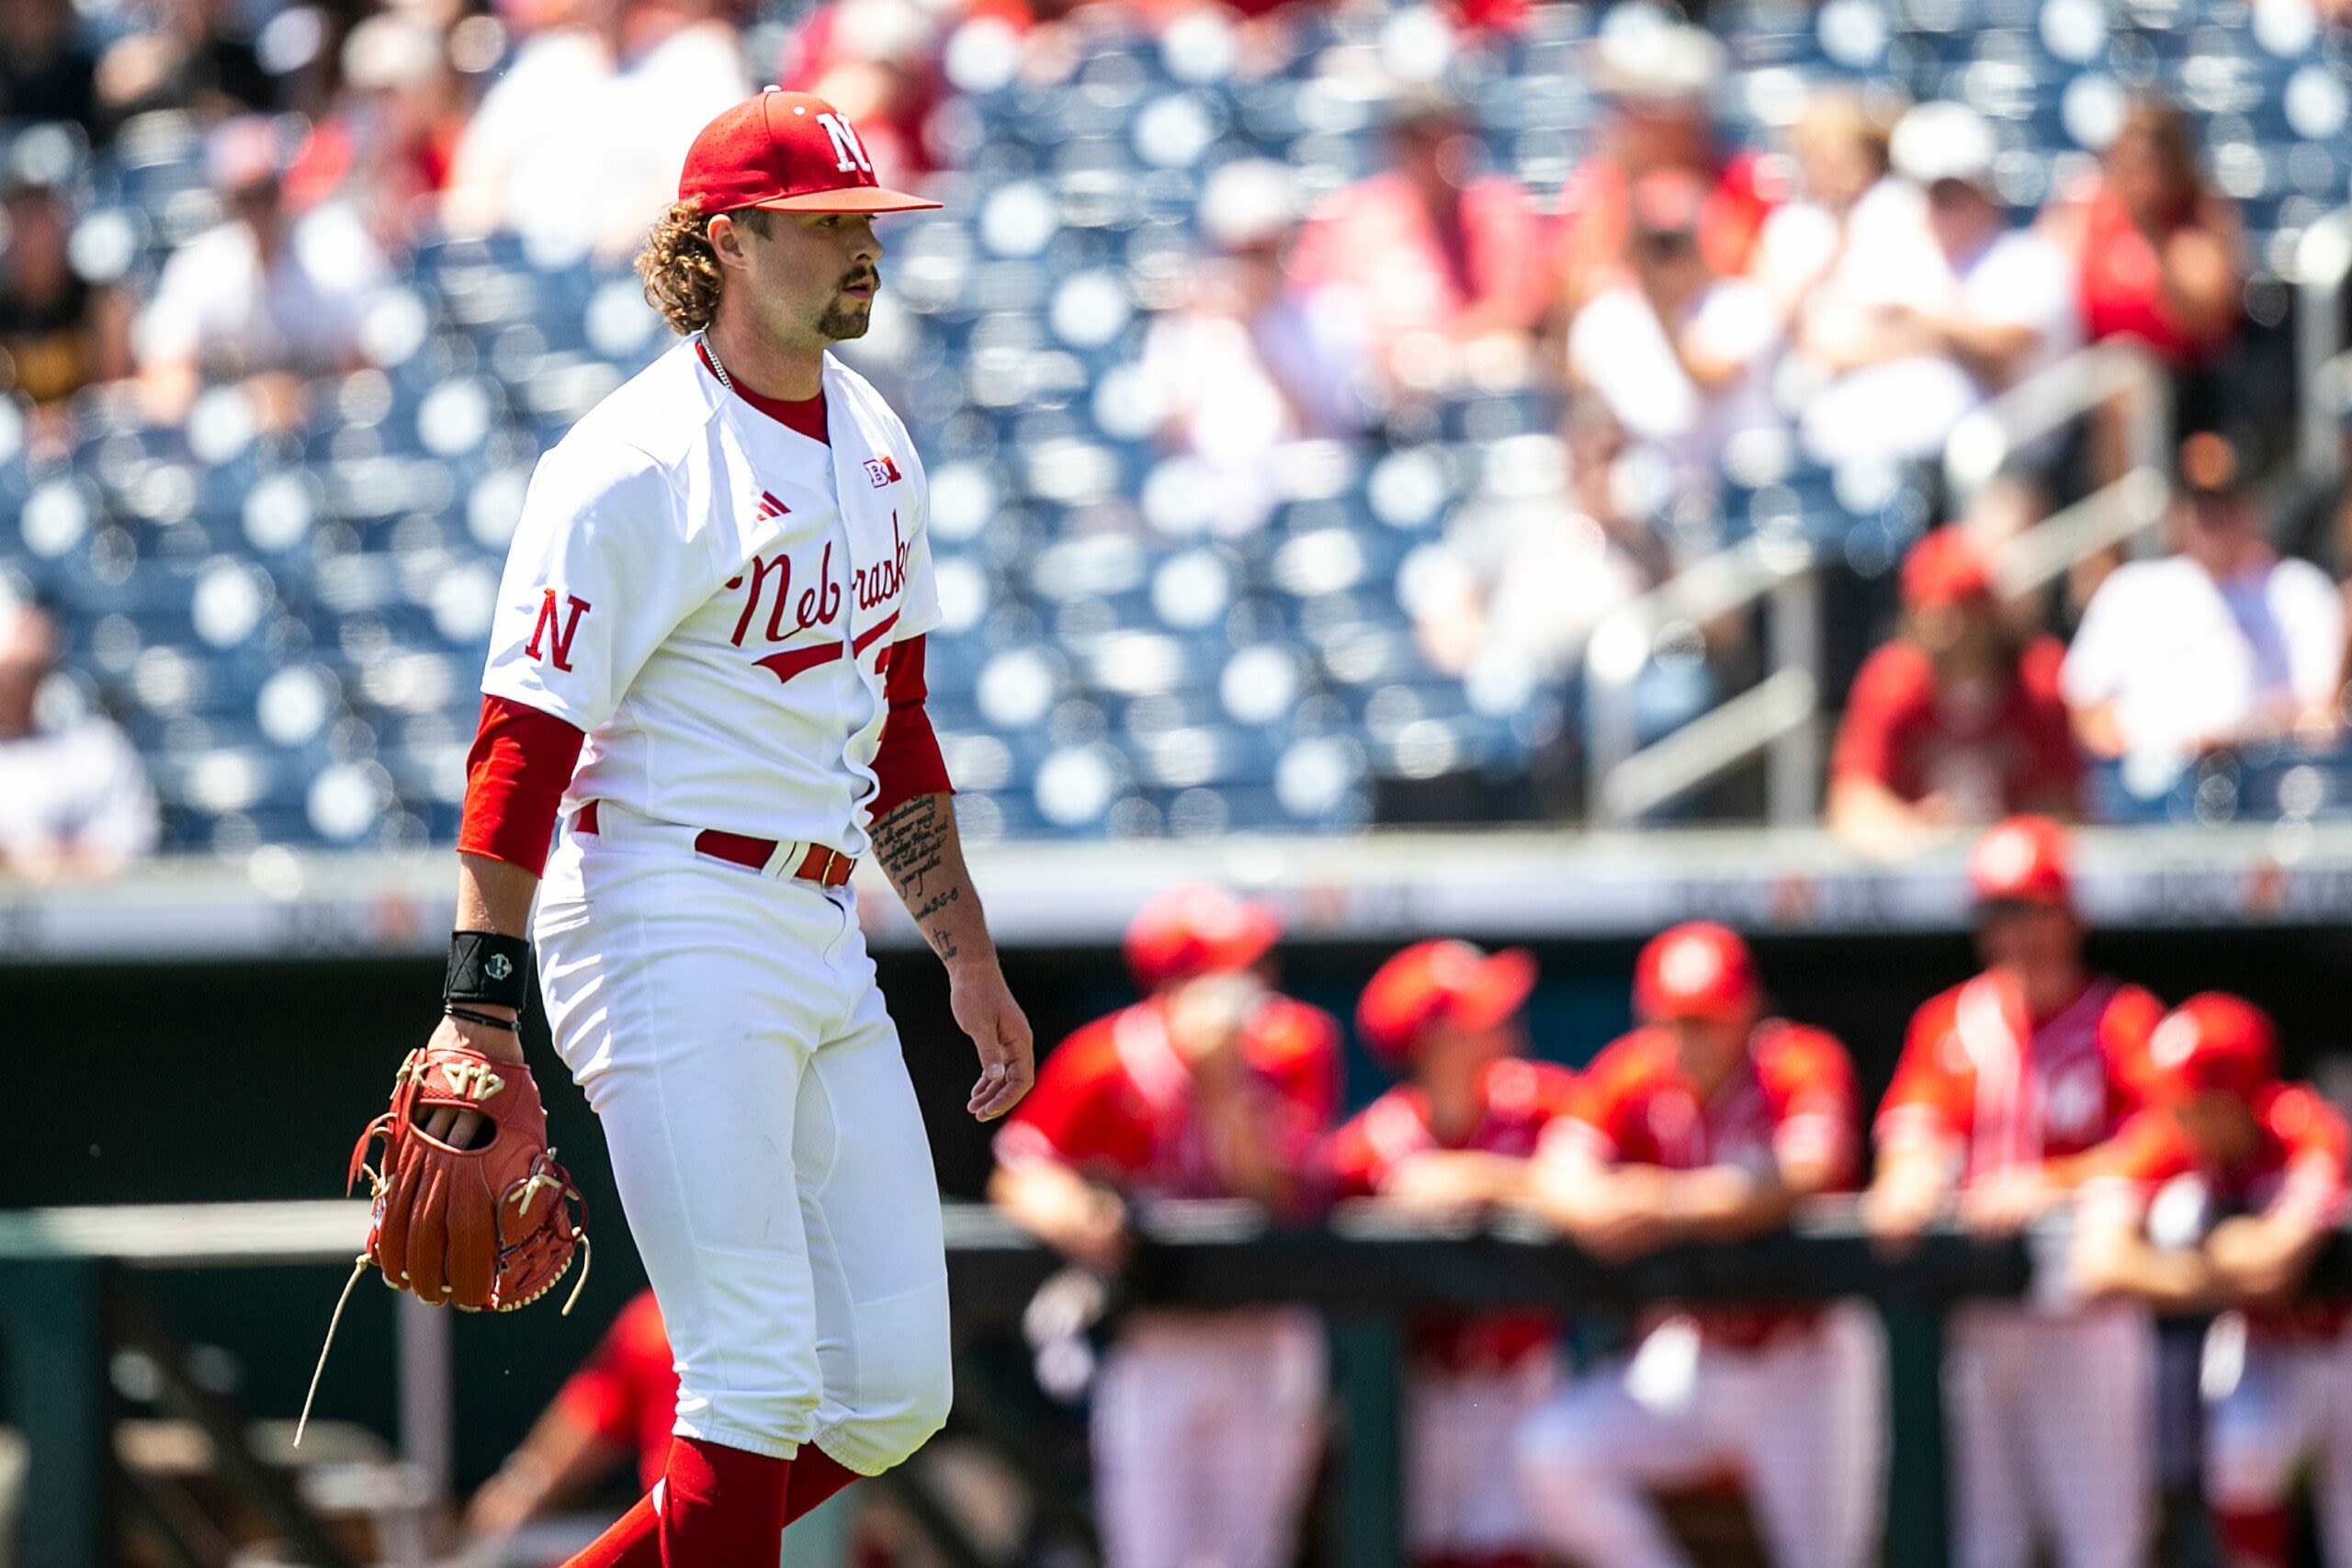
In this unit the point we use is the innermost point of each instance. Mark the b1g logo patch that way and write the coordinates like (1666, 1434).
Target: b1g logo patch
(882, 471)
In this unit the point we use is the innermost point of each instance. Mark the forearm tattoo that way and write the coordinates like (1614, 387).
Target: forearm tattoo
(911, 842)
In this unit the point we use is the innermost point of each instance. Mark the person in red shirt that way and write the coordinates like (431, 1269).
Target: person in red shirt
(1708, 1122)
(1454, 1136)
(1432, 255)
(1206, 1424)
(621, 1403)
(1957, 720)
(2223, 1142)
(2005, 1085)
(1658, 79)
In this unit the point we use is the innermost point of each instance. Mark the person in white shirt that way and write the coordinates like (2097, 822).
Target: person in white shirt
(2223, 643)
(585, 131)
(1940, 320)
(1852, 203)
(1679, 356)
(75, 799)
(264, 297)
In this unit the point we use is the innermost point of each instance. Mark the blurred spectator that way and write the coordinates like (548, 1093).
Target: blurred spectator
(619, 1406)
(264, 297)
(2157, 256)
(2156, 250)
(1937, 322)
(2220, 1195)
(1956, 721)
(2008, 1087)
(74, 800)
(1681, 356)
(1518, 585)
(1452, 1139)
(1659, 77)
(59, 333)
(1206, 1425)
(2221, 643)
(871, 60)
(386, 144)
(625, 87)
(1250, 361)
(1709, 1122)
(1432, 256)
(1850, 200)
(191, 55)
(45, 72)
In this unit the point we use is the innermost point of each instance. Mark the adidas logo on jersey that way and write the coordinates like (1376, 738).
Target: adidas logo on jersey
(770, 506)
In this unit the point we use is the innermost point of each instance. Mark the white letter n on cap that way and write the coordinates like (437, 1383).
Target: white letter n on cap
(847, 148)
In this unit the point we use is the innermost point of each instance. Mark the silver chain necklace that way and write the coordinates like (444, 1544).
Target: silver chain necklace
(711, 353)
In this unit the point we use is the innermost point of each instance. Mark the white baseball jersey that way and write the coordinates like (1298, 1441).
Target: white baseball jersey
(711, 597)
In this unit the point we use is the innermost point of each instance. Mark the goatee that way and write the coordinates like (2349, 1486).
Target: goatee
(841, 321)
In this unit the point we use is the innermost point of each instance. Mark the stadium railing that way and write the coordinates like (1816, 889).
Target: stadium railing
(71, 1300)
(1781, 714)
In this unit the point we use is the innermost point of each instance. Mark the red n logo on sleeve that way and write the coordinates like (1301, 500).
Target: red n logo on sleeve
(558, 637)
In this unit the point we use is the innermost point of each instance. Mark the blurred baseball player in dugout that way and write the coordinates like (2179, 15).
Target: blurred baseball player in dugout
(708, 660)
(2005, 1085)
(1206, 1426)
(2224, 1144)
(1454, 1136)
(1708, 1122)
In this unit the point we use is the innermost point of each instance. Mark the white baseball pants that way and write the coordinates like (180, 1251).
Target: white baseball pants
(726, 1031)
(2052, 1424)
(1462, 1494)
(1206, 1430)
(2290, 1404)
(1680, 1412)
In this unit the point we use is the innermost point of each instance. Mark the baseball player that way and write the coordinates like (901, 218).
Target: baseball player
(1453, 1136)
(1205, 1426)
(708, 661)
(1709, 1122)
(2223, 1139)
(2004, 1083)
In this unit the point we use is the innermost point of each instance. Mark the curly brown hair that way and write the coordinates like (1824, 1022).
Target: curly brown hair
(679, 268)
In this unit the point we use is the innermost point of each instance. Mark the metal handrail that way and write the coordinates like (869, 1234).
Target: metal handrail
(1625, 780)
(2322, 363)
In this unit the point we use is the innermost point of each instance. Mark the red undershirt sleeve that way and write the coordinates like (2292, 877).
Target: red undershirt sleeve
(907, 763)
(515, 776)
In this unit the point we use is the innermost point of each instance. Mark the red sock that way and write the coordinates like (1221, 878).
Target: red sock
(721, 1506)
(816, 1476)
(632, 1542)
(2254, 1538)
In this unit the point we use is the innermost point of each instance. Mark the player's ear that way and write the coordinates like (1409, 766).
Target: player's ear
(727, 239)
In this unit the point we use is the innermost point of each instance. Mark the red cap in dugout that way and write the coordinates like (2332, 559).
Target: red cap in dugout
(1698, 970)
(2213, 1042)
(1197, 929)
(2026, 860)
(1945, 567)
(786, 153)
(1433, 983)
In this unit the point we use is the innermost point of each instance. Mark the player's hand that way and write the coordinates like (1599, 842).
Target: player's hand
(1445, 1181)
(1897, 1209)
(2005, 1202)
(985, 1010)
(451, 1126)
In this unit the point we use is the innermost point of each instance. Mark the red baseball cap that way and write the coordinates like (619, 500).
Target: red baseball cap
(1697, 970)
(1441, 982)
(786, 153)
(1945, 567)
(2026, 860)
(2213, 1042)
(1197, 929)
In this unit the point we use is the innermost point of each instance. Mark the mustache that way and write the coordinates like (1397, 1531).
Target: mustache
(870, 276)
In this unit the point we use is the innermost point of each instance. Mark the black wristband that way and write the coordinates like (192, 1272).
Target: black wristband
(488, 1021)
(487, 967)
